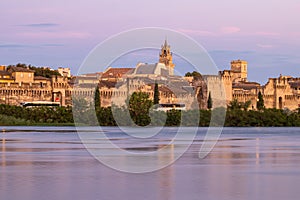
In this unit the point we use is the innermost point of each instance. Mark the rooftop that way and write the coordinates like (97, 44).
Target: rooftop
(116, 72)
(5, 73)
(19, 69)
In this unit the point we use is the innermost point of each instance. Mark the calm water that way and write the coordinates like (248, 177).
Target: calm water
(247, 163)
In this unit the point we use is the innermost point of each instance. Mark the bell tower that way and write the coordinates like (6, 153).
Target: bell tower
(240, 68)
(165, 57)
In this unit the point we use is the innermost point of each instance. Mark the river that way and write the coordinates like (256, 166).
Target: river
(247, 163)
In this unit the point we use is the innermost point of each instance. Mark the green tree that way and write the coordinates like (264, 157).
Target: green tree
(188, 74)
(234, 105)
(38, 71)
(173, 118)
(246, 105)
(260, 103)
(209, 101)
(139, 106)
(97, 99)
(156, 94)
(193, 74)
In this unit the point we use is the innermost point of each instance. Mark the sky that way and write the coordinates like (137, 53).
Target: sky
(62, 32)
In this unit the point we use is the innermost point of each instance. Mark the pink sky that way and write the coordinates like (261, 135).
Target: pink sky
(62, 32)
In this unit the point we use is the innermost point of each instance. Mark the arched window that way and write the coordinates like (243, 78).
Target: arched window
(280, 102)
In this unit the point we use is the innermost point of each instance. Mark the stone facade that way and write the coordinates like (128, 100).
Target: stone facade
(281, 93)
(64, 71)
(18, 84)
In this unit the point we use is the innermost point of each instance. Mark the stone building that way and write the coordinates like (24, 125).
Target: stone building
(116, 84)
(64, 71)
(281, 93)
(18, 84)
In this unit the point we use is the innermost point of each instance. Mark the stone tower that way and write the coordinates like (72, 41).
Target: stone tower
(165, 57)
(240, 68)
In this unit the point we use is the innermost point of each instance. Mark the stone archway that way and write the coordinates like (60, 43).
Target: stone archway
(58, 95)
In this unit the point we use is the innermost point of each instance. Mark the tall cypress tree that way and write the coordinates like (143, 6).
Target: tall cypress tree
(260, 103)
(156, 94)
(209, 102)
(97, 98)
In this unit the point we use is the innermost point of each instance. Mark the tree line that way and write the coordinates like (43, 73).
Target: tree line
(38, 71)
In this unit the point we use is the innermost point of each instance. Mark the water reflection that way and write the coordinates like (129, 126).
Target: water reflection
(3, 152)
(242, 166)
(257, 151)
(166, 183)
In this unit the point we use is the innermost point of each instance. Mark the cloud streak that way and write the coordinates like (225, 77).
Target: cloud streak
(41, 25)
(55, 35)
(197, 32)
(265, 46)
(230, 29)
(52, 45)
(226, 30)
(262, 33)
(16, 46)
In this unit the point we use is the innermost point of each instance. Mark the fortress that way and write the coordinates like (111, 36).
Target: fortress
(18, 84)
(280, 93)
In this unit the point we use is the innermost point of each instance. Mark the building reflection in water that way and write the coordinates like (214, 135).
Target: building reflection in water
(257, 151)
(3, 152)
(166, 176)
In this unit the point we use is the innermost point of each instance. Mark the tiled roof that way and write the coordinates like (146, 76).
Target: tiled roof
(116, 72)
(246, 85)
(19, 69)
(178, 87)
(5, 73)
(108, 84)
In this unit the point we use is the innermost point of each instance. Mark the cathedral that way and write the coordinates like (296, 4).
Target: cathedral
(116, 84)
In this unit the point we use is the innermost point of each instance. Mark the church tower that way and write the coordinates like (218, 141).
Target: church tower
(165, 57)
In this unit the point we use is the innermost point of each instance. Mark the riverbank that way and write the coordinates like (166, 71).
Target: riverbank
(63, 116)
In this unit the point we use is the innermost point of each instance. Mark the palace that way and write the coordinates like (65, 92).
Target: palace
(19, 84)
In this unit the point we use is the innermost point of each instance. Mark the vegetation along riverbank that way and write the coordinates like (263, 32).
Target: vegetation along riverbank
(236, 116)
